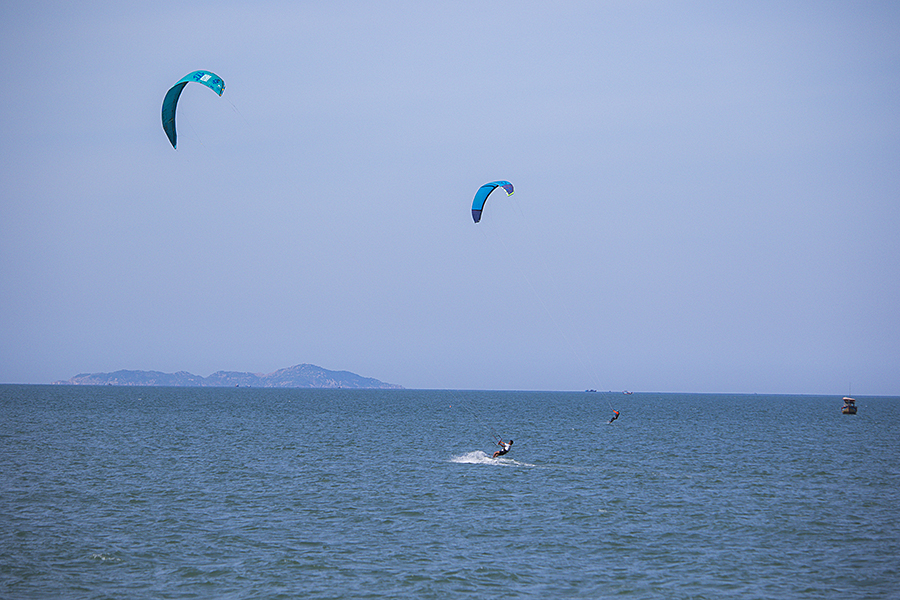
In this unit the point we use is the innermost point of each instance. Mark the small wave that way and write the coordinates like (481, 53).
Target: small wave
(102, 557)
(480, 458)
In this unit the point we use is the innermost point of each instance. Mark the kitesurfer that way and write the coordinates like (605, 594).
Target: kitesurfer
(505, 446)
(615, 416)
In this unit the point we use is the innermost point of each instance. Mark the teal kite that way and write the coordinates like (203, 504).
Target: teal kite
(207, 78)
(485, 191)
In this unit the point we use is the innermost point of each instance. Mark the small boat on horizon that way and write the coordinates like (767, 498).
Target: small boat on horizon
(849, 407)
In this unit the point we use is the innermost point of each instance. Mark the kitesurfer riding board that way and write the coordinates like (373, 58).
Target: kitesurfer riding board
(505, 448)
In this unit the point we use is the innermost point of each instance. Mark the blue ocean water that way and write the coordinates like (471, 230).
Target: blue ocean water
(117, 492)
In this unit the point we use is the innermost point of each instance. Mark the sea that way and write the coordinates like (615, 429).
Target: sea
(168, 493)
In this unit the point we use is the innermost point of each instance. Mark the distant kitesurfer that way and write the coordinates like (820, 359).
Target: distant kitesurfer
(615, 416)
(505, 446)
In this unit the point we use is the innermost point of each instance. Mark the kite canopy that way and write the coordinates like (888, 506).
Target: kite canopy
(485, 191)
(207, 78)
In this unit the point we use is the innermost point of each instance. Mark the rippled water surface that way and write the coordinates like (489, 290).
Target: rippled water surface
(111, 492)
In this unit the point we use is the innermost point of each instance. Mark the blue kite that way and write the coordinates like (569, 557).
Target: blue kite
(207, 78)
(482, 194)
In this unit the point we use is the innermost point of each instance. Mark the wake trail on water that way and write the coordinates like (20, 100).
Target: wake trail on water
(480, 458)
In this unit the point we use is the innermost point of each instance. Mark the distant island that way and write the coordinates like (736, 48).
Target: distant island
(298, 376)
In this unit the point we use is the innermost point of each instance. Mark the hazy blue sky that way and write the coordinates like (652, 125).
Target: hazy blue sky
(707, 193)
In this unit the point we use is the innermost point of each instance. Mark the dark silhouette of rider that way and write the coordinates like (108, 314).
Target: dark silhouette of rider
(616, 416)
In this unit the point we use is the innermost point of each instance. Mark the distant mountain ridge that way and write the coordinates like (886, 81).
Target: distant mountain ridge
(298, 376)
